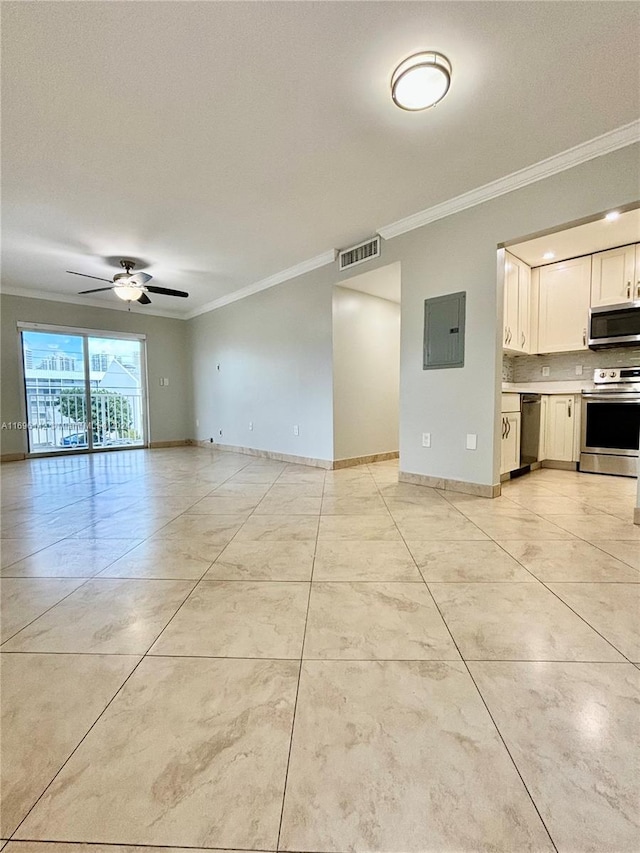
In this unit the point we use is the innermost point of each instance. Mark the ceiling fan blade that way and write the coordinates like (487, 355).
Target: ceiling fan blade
(140, 278)
(97, 277)
(143, 299)
(165, 291)
(97, 290)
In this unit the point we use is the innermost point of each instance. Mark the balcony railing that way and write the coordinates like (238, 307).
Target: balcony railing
(58, 420)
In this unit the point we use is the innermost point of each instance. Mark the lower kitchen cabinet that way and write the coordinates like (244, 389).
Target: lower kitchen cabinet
(510, 447)
(561, 428)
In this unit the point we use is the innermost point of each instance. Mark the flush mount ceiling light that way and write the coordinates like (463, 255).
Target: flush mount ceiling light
(548, 256)
(612, 216)
(421, 81)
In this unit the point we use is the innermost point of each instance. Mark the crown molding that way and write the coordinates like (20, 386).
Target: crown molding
(277, 278)
(91, 303)
(607, 143)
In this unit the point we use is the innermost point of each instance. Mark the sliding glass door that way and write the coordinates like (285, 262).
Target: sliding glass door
(83, 391)
(116, 392)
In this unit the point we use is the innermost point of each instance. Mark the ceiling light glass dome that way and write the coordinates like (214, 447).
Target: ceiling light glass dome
(127, 292)
(421, 81)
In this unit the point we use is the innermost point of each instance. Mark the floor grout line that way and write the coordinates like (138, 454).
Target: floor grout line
(295, 703)
(465, 664)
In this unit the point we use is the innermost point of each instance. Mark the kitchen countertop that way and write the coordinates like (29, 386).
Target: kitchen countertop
(558, 387)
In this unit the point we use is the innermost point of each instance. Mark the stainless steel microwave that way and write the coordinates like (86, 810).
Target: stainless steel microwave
(614, 326)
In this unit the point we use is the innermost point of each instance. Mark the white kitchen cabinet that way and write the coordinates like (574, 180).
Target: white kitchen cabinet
(517, 305)
(510, 447)
(510, 426)
(564, 291)
(524, 309)
(561, 428)
(615, 276)
(542, 440)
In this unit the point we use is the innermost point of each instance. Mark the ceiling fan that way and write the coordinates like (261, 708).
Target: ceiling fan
(129, 286)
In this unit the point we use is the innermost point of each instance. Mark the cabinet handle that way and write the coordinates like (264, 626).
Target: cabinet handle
(584, 337)
(523, 340)
(502, 427)
(569, 409)
(638, 291)
(508, 423)
(510, 335)
(628, 290)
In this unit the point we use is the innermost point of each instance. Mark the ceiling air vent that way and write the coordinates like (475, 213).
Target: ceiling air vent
(360, 253)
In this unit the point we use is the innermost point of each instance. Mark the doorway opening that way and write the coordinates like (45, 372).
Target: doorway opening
(366, 364)
(84, 391)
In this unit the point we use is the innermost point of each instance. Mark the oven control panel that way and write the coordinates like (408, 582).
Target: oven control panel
(608, 374)
(616, 374)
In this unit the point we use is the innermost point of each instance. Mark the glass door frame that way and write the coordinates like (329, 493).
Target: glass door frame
(85, 334)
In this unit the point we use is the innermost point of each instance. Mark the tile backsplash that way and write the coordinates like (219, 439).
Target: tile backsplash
(507, 368)
(562, 366)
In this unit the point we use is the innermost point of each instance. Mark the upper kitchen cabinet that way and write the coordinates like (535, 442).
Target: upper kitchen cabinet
(563, 305)
(615, 276)
(517, 305)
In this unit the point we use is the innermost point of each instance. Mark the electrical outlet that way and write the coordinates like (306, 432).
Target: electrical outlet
(197, 422)
(219, 432)
(166, 380)
(250, 425)
(218, 367)
(545, 371)
(578, 370)
(472, 441)
(211, 441)
(161, 381)
(296, 429)
(426, 439)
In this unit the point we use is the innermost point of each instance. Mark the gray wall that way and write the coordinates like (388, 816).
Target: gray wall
(274, 352)
(459, 253)
(366, 373)
(167, 355)
(275, 347)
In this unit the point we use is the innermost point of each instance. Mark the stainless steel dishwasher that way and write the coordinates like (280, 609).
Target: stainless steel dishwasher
(530, 430)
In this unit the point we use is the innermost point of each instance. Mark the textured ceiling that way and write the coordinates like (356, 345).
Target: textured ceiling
(223, 142)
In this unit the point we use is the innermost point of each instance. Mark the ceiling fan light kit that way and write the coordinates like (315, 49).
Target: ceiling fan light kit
(130, 287)
(128, 292)
(421, 81)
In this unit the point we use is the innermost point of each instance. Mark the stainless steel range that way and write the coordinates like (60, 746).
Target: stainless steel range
(611, 422)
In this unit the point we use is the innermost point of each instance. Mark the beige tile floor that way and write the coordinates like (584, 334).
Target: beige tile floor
(207, 651)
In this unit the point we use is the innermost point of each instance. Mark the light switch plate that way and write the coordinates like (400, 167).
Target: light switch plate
(578, 370)
(472, 441)
(296, 429)
(545, 371)
(426, 439)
